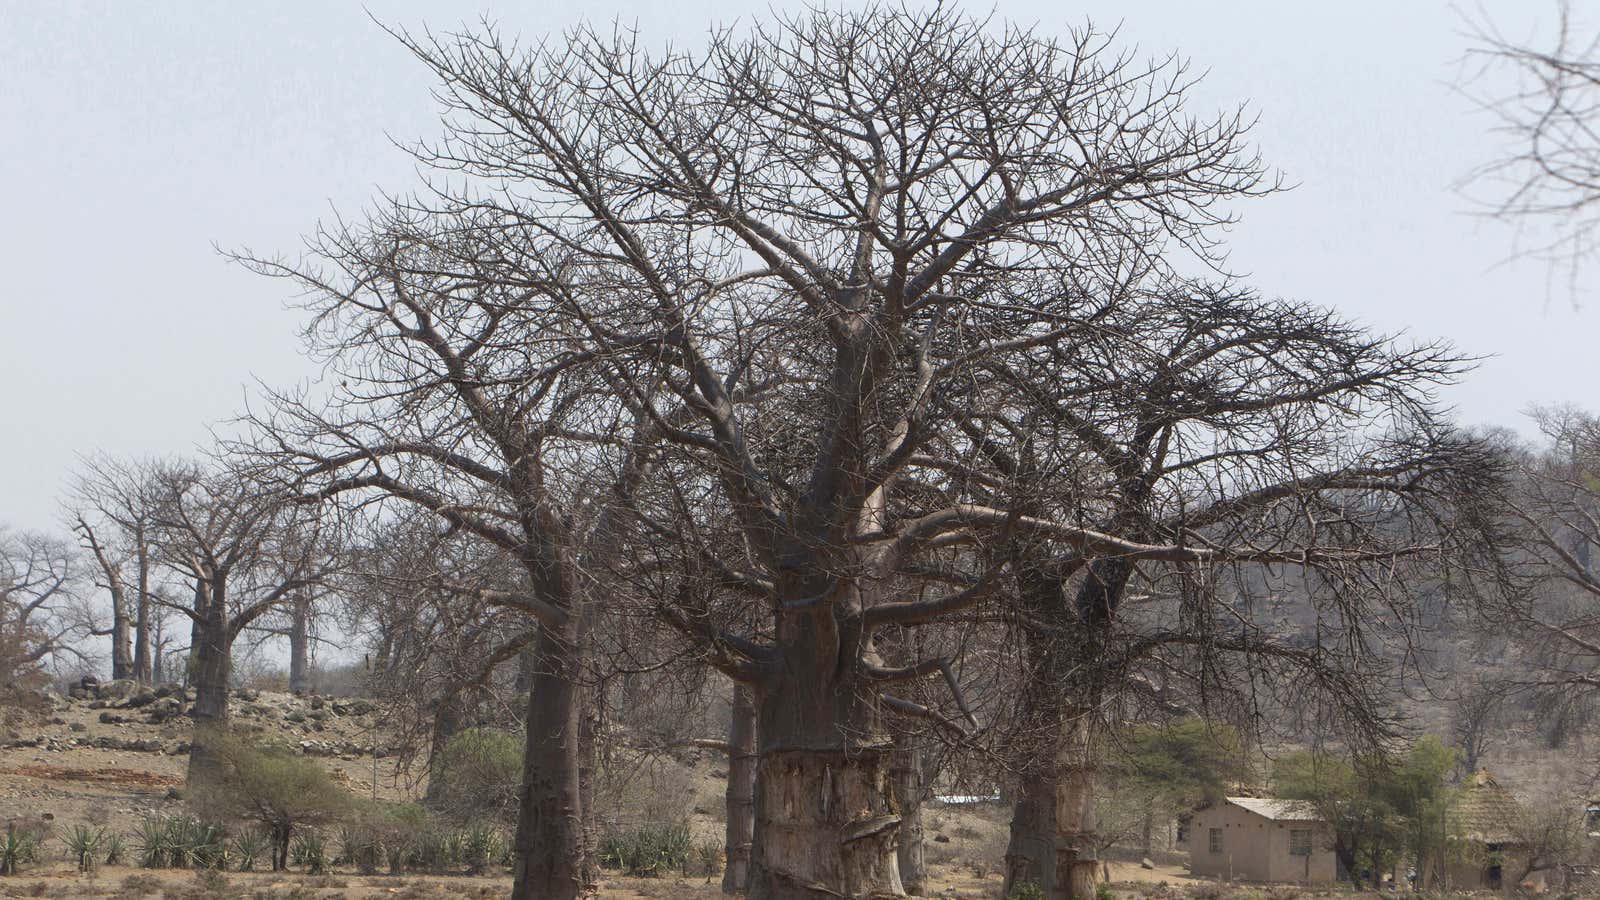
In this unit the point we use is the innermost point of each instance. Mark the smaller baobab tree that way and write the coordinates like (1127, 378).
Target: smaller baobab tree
(42, 612)
(470, 394)
(40, 616)
(245, 550)
(112, 508)
(1213, 441)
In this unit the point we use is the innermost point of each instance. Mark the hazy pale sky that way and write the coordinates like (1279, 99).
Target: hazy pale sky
(137, 137)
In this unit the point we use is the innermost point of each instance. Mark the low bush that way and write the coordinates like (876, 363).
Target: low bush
(273, 787)
(310, 851)
(648, 851)
(477, 775)
(20, 845)
(181, 842)
(247, 847)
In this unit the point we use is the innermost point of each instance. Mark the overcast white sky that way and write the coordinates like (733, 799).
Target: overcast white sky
(135, 137)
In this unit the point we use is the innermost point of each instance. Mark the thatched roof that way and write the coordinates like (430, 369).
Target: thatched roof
(1486, 812)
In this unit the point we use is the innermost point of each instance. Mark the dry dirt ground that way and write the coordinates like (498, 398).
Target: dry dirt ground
(55, 770)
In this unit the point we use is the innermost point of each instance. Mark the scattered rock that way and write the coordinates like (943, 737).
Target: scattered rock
(163, 709)
(352, 707)
(941, 839)
(1146, 863)
(144, 697)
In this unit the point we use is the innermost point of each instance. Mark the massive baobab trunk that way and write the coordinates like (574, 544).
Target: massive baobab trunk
(742, 749)
(1054, 837)
(825, 819)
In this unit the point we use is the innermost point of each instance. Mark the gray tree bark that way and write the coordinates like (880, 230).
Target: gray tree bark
(742, 740)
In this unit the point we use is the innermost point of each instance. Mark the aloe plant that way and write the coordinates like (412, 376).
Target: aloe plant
(83, 844)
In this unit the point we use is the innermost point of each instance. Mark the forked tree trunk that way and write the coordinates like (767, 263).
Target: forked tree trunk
(906, 771)
(210, 669)
(300, 645)
(549, 840)
(826, 825)
(740, 792)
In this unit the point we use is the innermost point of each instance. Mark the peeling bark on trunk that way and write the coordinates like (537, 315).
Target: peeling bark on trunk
(300, 646)
(906, 771)
(549, 839)
(1054, 837)
(825, 820)
(826, 825)
(741, 791)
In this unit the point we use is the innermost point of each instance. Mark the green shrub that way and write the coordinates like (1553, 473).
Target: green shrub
(361, 847)
(477, 776)
(1026, 890)
(648, 851)
(708, 859)
(481, 847)
(1103, 891)
(180, 842)
(277, 789)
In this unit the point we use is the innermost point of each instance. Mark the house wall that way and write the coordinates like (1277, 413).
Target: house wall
(1255, 848)
(1472, 872)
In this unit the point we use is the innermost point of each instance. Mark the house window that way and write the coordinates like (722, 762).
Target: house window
(1300, 842)
(1216, 840)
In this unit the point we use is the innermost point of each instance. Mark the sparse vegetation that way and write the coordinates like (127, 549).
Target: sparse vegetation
(648, 851)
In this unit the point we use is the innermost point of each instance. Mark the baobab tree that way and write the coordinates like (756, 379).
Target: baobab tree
(112, 504)
(245, 551)
(42, 611)
(755, 307)
(774, 249)
(463, 396)
(1212, 432)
